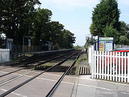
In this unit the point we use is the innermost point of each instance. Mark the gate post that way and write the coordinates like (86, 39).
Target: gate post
(93, 67)
(94, 63)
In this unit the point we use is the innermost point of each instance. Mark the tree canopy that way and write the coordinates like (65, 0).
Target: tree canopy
(105, 22)
(20, 18)
(105, 14)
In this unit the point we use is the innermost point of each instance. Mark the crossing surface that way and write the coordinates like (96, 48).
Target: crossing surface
(76, 85)
(71, 86)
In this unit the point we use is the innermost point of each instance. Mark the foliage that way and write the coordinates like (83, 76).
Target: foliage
(124, 40)
(78, 47)
(13, 15)
(105, 22)
(124, 28)
(109, 31)
(105, 14)
(124, 33)
(20, 19)
(68, 39)
(40, 24)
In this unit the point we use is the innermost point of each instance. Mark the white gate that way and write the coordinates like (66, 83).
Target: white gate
(112, 66)
(4, 55)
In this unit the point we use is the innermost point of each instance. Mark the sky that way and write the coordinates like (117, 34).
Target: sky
(76, 15)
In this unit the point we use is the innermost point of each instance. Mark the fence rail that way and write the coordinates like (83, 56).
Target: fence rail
(112, 66)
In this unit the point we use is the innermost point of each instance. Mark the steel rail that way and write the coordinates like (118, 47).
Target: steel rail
(42, 52)
(26, 81)
(3, 82)
(53, 89)
(38, 64)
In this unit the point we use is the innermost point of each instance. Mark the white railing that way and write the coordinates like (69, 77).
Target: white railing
(4, 55)
(112, 66)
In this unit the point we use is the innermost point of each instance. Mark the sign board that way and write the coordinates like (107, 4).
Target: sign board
(105, 43)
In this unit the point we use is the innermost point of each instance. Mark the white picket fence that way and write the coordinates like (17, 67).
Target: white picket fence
(112, 66)
(4, 55)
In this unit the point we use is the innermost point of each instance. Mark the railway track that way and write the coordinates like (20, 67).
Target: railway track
(53, 89)
(32, 78)
(25, 59)
(39, 62)
(3, 82)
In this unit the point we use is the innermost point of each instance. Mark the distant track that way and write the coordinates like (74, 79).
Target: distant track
(38, 64)
(3, 82)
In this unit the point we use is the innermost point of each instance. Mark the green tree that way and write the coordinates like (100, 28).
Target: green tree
(68, 39)
(78, 47)
(124, 28)
(13, 16)
(58, 36)
(19, 19)
(123, 33)
(41, 25)
(105, 14)
(124, 40)
(109, 31)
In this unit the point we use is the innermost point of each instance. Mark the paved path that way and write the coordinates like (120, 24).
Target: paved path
(95, 88)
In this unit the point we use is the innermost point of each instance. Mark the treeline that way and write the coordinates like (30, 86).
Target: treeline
(20, 19)
(106, 23)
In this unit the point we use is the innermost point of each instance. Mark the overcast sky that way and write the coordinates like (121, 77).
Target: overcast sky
(76, 15)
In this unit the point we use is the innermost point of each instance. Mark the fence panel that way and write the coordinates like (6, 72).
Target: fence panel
(112, 66)
(4, 55)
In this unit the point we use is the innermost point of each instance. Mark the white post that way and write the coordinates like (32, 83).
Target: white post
(100, 65)
(91, 60)
(111, 58)
(105, 71)
(125, 67)
(97, 57)
(122, 66)
(108, 69)
(119, 67)
(128, 68)
(116, 65)
(113, 66)
(89, 55)
(94, 58)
